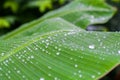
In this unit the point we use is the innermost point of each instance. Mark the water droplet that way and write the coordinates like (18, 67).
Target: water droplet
(49, 67)
(56, 47)
(42, 79)
(104, 37)
(9, 71)
(75, 73)
(0, 68)
(55, 78)
(118, 51)
(2, 54)
(99, 40)
(36, 48)
(99, 73)
(18, 71)
(91, 46)
(57, 53)
(93, 76)
(32, 57)
(80, 75)
(23, 76)
(79, 71)
(49, 74)
(76, 65)
(43, 41)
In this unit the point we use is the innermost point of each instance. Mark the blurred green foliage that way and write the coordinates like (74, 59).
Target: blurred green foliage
(16, 12)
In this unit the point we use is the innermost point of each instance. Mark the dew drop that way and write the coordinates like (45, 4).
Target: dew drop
(99, 40)
(9, 71)
(80, 75)
(118, 51)
(49, 67)
(79, 71)
(23, 76)
(55, 78)
(36, 48)
(92, 46)
(57, 53)
(42, 79)
(49, 74)
(75, 73)
(93, 76)
(18, 71)
(32, 57)
(99, 73)
(0, 68)
(2, 54)
(76, 65)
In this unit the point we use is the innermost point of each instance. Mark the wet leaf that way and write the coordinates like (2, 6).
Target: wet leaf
(58, 49)
(80, 13)
(60, 54)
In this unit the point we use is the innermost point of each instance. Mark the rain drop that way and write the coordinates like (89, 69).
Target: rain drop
(18, 71)
(32, 57)
(93, 76)
(76, 65)
(80, 75)
(57, 53)
(0, 68)
(118, 51)
(2, 54)
(91, 46)
(42, 79)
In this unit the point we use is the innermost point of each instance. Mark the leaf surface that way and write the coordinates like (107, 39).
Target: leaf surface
(80, 13)
(58, 49)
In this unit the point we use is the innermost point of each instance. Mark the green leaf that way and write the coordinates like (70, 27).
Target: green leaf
(116, 0)
(41, 4)
(80, 13)
(61, 54)
(12, 5)
(83, 13)
(61, 1)
(41, 28)
(4, 23)
(57, 49)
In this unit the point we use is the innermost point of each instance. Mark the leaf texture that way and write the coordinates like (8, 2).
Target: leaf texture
(59, 49)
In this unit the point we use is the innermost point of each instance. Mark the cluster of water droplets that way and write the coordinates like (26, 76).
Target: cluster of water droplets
(56, 47)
